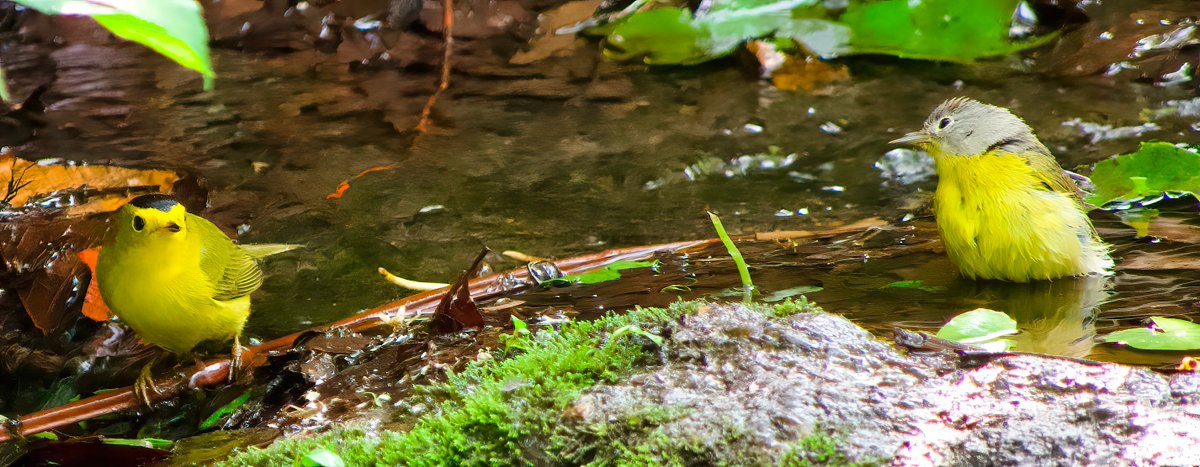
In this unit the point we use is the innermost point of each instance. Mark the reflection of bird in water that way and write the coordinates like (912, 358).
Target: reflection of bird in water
(1055, 317)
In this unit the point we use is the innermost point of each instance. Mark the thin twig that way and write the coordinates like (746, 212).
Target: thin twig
(444, 82)
(15, 182)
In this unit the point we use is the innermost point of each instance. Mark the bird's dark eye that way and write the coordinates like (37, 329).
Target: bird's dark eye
(139, 223)
(944, 123)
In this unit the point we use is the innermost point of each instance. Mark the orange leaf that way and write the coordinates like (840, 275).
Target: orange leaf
(93, 303)
(108, 186)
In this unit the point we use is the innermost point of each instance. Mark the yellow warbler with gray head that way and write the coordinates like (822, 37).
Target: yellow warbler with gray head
(1005, 209)
(174, 277)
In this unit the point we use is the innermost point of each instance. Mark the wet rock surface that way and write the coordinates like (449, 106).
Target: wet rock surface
(739, 386)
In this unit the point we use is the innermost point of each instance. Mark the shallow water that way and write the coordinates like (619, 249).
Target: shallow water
(577, 155)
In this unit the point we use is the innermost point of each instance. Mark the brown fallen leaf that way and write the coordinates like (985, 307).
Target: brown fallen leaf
(43, 270)
(793, 72)
(548, 43)
(458, 310)
(107, 187)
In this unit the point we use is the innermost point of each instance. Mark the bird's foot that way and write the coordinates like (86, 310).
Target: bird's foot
(144, 388)
(235, 360)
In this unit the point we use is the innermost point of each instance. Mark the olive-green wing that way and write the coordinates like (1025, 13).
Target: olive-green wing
(1053, 175)
(233, 272)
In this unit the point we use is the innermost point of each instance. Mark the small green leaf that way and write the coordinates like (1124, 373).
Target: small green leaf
(5, 95)
(519, 326)
(173, 28)
(323, 457)
(1155, 168)
(978, 326)
(632, 329)
(742, 268)
(152, 443)
(611, 272)
(224, 411)
(1166, 334)
(915, 284)
(781, 295)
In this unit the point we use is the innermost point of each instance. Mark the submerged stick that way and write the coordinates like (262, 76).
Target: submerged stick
(447, 54)
(215, 372)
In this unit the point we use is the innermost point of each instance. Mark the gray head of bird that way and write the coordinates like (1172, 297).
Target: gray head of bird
(150, 217)
(967, 127)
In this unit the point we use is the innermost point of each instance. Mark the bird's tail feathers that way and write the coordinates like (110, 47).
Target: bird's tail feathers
(262, 250)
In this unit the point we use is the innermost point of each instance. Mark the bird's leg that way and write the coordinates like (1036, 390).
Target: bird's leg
(235, 365)
(145, 381)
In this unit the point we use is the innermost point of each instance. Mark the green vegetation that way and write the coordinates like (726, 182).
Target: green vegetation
(915, 284)
(791, 307)
(743, 270)
(981, 327)
(611, 272)
(1166, 334)
(173, 28)
(949, 30)
(493, 405)
(819, 448)
(1155, 168)
(498, 411)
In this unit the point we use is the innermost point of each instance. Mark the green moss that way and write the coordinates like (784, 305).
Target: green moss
(818, 448)
(791, 307)
(511, 410)
(493, 407)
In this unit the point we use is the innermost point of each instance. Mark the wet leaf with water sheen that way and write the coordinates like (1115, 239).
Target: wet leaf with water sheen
(106, 187)
(1155, 168)
(1166, 334)
(781, 295)
(173, 28)
(978, 326)
(915, 284)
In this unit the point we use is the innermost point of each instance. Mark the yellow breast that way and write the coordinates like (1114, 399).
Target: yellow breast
(999, 221)
(166, 297)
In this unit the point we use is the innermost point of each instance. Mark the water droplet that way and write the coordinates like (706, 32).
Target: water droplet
(830, 128)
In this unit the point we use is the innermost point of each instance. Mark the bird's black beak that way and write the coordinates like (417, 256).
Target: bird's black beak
(173, 227)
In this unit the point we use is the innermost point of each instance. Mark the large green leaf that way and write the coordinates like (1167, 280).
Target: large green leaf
(1155, 168)
(1167, 334)
(173, 28)
(978, 326)
(950, 30)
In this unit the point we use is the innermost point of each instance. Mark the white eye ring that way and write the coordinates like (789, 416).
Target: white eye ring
(945, 123)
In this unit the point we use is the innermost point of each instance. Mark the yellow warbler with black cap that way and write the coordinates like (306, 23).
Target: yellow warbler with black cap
(175, 278)
(1005, 209)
